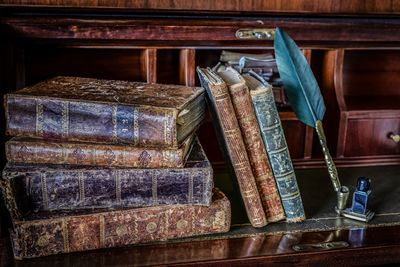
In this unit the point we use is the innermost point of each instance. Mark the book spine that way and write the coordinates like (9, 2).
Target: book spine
(278, 153)
(107, 188)
(256, 151)
(31, 151)
(118, 228)
(90, 121)
(224, 115)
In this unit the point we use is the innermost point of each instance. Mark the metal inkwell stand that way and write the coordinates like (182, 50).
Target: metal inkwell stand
(307, 103)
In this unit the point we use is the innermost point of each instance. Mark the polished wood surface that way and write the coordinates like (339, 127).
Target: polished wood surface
(376, 7)
(203, 31)
(354, 56)
(369, 246)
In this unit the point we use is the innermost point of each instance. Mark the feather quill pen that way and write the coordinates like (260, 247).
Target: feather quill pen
(305, 98)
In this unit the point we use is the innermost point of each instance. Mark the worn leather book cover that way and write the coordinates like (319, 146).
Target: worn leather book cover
(275, 143)
(254, 144)
(36, 150)
(230, 56)
(105, 111)
(227, 124)
(46, 233)
(35, 187)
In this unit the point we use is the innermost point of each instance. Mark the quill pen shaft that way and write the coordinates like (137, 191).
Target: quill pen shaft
(328, 158)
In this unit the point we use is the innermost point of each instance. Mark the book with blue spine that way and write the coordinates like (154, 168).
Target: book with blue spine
(275, 144)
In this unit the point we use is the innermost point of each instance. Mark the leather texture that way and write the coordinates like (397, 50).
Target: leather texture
(225, 119)
(104, 111)
(34, 187)
(48, 233)
(254, 144)
(278, 153)
(35, 150)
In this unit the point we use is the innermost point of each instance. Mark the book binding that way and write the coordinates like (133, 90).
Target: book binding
(105, 111)
(278, 153)
(53, 233)
(227, 124)
(254, 144)
(34, 150)
(37, 187)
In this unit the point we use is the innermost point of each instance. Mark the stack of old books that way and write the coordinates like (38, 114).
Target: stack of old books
(262, 64)
(101, 163)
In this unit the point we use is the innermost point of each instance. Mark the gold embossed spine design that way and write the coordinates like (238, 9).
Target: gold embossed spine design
(138, 114)
(35, 238)
(254, 144)
(225, 115)
(33, 150)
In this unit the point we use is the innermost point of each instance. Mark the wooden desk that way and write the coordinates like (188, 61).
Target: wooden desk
(353, 54)
(373, 246)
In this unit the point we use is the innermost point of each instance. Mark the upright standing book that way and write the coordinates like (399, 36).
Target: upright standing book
(275, 142)
(227, 124)
(105, 111)
(255, 148)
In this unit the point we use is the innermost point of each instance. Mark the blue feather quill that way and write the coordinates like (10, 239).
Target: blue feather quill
(300, 85)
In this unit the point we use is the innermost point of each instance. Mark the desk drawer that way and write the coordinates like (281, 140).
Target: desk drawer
(371, 137)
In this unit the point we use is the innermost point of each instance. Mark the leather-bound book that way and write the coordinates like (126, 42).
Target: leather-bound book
(47, 233)
(275, 143)
(35, 150)
(105, 111)
(226, 122)
(35, 187)
(254, 144)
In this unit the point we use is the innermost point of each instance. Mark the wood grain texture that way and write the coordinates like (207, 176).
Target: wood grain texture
(187, 67)
(309, 131)
(369, 246)
(368, 137)
(280, 6)
(203, 29)
(149, 65)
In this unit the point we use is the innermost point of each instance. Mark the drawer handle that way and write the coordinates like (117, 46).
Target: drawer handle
(255, 34)
(395, 137)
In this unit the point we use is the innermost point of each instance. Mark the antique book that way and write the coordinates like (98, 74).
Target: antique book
(267, 65)
(105, 111)
(225, 121)
(254, 144)
(36, 150)
(230, 56)
(275, 143)
(46, 233)
(35, 187)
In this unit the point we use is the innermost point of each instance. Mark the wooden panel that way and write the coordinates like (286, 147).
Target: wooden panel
(295, 135)
(371, 73)
(203, 29)
(371, 137)
(187, 67)
(168, 66)
(301, 6)
(148, 63)
(46, 62)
